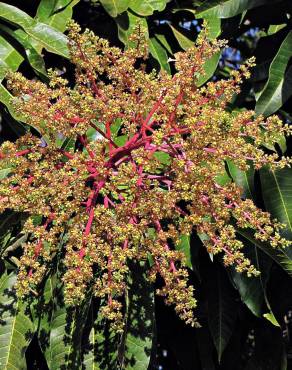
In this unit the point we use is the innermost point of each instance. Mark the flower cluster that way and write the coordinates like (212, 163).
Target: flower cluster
(127, 161)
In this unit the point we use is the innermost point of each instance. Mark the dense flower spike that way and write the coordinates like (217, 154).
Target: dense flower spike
(143, 170)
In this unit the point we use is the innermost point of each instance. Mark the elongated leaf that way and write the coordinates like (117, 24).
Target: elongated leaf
(228, 8)
(136, 348)
(277, 194)
(66, 327)
(16, 327)
(49, 38)
(252, 290)
(214, 27)
(100, 342)
(15, 15)
(281, 256)
(115, 7)
(278, 87)
(222, 308)
(59, 327)
(159, 53)
(163, 41)
(147, 7)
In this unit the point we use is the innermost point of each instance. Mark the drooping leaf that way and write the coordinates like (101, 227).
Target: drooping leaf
(147, 7)
(227, 8)
(16, 327)
(280, 255)
(115, 7)
(59, 327)
(222, 307)
(136, 347)
(100, 342)
(277, 194)
(159, 53)
(277, 90)
(252, 290)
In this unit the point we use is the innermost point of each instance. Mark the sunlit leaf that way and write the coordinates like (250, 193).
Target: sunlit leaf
(16, 327)
(147, 7)
(277, 90)
(115, 7)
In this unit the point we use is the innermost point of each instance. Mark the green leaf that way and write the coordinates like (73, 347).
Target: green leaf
(281, 256)
(46, 9)
(222, 307)
(4, 173)
(16, 327)
(252, 290)
(34, 58)
(10, 59)
(56, 13)
(100, 343)
(162, 39)
(115, 7)
(277, 195)
(59, 327)
(147, 7)
(135, 351)
(127, 22)
(223, 178)
(270, 317)
(49, 38)
(228, 8)
(209, 67)
(183, 41)
(214, 27)
(185, 247)
(277, 90)
(159, 53)
(274, 28)
(5, 98)
(244, 179)
(15, 15)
